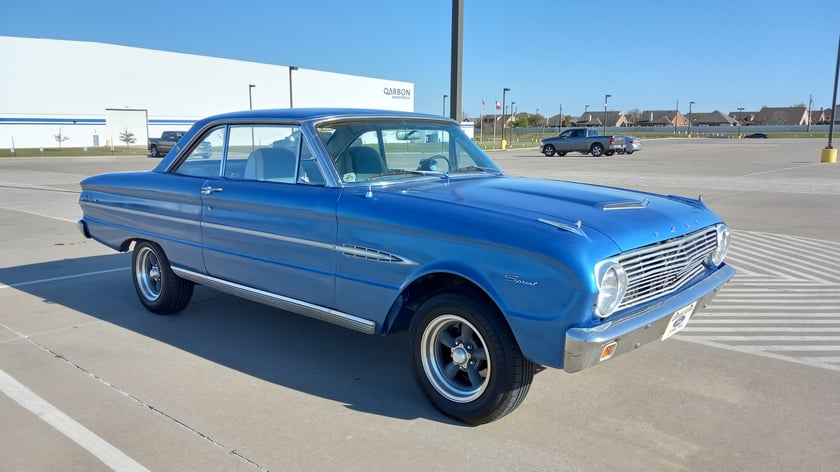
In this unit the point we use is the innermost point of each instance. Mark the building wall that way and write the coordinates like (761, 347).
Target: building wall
(50, 84)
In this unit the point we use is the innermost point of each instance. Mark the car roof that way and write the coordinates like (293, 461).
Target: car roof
(317, 114)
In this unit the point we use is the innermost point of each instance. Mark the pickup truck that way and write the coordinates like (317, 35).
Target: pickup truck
(583, 140)
(161, 146)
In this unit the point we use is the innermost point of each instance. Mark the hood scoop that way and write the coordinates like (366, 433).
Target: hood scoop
(627, 205)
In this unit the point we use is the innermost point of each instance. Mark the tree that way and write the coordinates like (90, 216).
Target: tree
(60, 138)
(127, 137)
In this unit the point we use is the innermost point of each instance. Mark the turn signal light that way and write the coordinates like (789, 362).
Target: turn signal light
(608, 351)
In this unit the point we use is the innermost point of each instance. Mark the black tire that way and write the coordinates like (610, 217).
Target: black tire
(159, 289)
(153, 151)
(609, 153)
(629, 152)
(561, 153)
(549, 150)
(466, 360)
(596, 149)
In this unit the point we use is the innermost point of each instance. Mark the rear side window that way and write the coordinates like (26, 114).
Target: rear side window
(205, 160)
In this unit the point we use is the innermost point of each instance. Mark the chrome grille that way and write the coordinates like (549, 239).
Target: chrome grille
(662, 268)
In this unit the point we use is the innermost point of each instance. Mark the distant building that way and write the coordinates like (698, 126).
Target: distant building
(714, 118)
(93, 91)
(782, 116)
(661, 118)
(614, 119)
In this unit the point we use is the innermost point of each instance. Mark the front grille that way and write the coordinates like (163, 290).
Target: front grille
(664, 267)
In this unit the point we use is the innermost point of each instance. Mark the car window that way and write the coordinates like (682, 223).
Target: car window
(263, 152)
(382, 150)
(205, 160)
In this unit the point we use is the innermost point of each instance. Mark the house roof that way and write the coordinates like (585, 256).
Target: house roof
(782, 116)
(657, 117)
(595, 118)
(711, 119)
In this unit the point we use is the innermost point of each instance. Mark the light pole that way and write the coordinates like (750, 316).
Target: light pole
(291, 103)
(444, 104)
(250, 101)
(606, 97)
(586, 114)
(504, 91)
(740, 119)
(689, 118)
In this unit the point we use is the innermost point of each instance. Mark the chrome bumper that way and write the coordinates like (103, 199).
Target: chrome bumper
(585, 345)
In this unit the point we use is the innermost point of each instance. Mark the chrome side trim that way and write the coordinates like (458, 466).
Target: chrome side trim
(267, 235)
(299, 307)
(373, 254)
(129, 211)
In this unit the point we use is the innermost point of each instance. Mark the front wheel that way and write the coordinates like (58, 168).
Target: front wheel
(629, 152)
(549, 150)
(153, 151)
(596, 149)
(561, 153)
(466, 359)
(159, 289)
(609, 153)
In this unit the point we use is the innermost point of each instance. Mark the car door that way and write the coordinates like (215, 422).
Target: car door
(268, 221)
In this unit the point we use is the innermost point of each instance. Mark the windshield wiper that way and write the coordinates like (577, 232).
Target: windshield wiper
(410, 172)
(489, 170)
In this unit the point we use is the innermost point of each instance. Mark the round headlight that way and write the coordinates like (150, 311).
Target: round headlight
(612, 283)
(719, 254)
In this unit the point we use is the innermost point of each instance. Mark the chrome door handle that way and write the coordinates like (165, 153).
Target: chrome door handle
(208, 190)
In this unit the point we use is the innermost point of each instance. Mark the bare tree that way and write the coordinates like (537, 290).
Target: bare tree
(60, 138)
(127, 137)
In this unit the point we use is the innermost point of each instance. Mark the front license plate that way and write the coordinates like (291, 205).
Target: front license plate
(678, 320)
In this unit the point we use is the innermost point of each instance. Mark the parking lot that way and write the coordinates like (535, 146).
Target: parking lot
(89, 380)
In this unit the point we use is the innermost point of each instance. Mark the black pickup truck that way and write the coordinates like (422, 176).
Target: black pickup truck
(160, 146)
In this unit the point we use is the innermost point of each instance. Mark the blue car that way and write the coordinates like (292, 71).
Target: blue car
(383, 221)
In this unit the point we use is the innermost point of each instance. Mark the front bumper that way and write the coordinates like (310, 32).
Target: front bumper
(584, 346)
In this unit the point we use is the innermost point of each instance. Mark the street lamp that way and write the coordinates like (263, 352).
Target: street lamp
(606, 97)
(250, 101)
(689, 118)
(444, 104)
(740, 119)
(291, 68)
(504, 91)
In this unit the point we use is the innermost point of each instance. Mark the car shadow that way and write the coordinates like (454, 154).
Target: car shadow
(366, 373)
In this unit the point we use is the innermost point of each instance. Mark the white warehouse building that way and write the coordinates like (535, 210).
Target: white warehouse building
(91, 92)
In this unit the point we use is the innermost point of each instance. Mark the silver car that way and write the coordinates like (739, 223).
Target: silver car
(632, 144)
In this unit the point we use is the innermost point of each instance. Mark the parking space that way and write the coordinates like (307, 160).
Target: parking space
(232, 385)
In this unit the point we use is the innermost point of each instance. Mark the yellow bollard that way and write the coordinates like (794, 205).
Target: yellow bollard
(829, 155)
(504, 144)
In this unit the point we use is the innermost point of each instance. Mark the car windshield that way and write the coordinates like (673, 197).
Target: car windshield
(390, 149)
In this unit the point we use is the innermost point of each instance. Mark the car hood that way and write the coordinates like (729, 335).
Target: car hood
(630, 218)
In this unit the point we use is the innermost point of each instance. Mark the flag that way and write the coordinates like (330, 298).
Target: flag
(498, 107)
(482, 104)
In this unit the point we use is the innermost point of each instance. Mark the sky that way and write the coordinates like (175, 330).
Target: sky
(648, 55)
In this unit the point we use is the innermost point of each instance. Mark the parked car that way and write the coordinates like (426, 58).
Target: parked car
(382, 222)
(583, 140)
(160, 146)
(632, 145)
(756, 136)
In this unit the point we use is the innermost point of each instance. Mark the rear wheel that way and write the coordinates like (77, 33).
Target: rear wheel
(159, 289)
(596, 149)
(153, 151)
(549, 150)
(466, 359)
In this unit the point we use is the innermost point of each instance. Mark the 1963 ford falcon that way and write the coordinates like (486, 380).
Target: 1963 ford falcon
(383, 221)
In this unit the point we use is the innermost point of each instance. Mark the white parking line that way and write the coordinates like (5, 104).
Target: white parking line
(64, 277)
(102, 450)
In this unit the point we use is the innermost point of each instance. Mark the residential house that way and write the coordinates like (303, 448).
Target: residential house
(661, 118)
(614, 119)
(714, 118)
(782, 116)
(746, 118)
